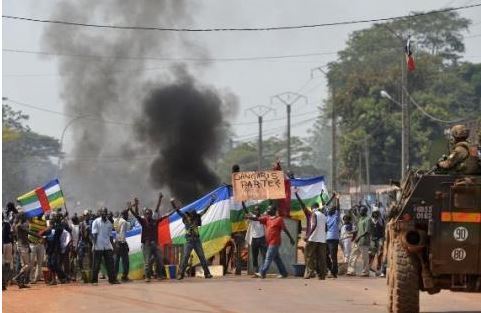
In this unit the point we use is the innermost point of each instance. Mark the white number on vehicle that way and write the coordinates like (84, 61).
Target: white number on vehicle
(461, 233)
(458, 254)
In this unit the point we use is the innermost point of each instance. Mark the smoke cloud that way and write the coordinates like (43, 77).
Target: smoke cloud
(185, 121)
(123, 145)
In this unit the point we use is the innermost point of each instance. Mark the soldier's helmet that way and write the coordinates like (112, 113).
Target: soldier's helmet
(459, 132)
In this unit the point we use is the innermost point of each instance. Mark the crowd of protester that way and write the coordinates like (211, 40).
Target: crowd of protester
(360, 232)
(74, 247)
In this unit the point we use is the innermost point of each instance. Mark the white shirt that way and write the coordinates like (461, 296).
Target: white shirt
(257, 229)
(319, 233)
(103, 231)
(121, 229)
(65, 239)
(75, 235)
(347, 234)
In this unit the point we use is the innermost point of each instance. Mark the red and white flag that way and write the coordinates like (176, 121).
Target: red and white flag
(409, 56)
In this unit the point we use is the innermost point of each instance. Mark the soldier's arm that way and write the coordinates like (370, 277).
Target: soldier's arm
(458, 155)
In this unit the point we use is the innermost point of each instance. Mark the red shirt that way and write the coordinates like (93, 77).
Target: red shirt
(274, 227)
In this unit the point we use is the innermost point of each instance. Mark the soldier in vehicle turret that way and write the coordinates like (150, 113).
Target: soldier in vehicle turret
(459, 153)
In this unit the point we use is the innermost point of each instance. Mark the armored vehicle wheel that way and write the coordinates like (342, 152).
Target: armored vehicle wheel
(403, 281)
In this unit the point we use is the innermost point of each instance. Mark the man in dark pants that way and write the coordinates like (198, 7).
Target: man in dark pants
(149, 240)
(7, 250)
(84, 250)
(102, 233)
(192, 221)
(256, 237)
(332, 237)
(122, 246)
(53, 235)
(316, 245)
(22, 232)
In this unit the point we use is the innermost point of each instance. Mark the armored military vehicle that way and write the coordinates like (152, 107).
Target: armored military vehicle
(433, 239)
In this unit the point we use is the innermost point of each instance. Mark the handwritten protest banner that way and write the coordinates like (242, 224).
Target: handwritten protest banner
(258, 185)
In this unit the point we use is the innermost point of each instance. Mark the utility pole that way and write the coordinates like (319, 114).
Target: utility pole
(406, 123)
(405, 119)
(260, 111)
(333, 143)
(333, 132)
(366, 159)
(360, 175)
(288, 99)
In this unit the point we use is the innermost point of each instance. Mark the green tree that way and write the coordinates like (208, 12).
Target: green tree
(246, 156)
(320, 141)
(26, 155)
(371, 62)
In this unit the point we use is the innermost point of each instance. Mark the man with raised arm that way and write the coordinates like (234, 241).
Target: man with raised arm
(149, 239)
(192, 220)
(315, 253)
(274, 226)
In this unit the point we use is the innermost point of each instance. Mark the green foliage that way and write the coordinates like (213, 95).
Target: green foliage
(26, 156)
(320, 140)
(373, 61)
(246, 156)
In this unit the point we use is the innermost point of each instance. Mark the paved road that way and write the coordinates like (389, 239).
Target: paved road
(226, 295)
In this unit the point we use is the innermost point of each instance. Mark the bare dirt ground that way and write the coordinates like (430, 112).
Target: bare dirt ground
(228, 295)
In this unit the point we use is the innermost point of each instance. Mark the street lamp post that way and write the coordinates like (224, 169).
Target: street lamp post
(60, 159)
(404, 132)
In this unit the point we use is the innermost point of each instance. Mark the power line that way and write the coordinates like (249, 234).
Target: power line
(68, 115)
(279, 118)
(431, 116)
(170, 59)
(270, 28)
(275, 130)
(31, 106)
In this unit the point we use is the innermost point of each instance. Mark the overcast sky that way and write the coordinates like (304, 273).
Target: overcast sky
(34, 79)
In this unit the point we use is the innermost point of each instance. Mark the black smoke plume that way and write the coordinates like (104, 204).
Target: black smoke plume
(185, 121)
(104, 81)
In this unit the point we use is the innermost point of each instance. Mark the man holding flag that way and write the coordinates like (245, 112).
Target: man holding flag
(42, 199)
(22, 231)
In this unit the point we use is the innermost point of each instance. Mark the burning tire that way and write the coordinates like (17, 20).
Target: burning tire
(403, 281)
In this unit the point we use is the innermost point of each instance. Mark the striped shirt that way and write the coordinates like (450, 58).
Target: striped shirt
(36, 225)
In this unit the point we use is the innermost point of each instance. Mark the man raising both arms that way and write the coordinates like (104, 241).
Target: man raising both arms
(192, 220)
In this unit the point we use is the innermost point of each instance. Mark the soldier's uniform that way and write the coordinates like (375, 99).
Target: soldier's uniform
(460, 152)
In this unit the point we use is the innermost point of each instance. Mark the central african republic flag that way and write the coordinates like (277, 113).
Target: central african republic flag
(42, 199)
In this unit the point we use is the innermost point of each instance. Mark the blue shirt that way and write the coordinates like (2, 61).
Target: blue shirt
(333, 225)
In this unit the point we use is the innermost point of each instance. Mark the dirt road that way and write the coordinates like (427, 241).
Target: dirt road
(227, 295)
